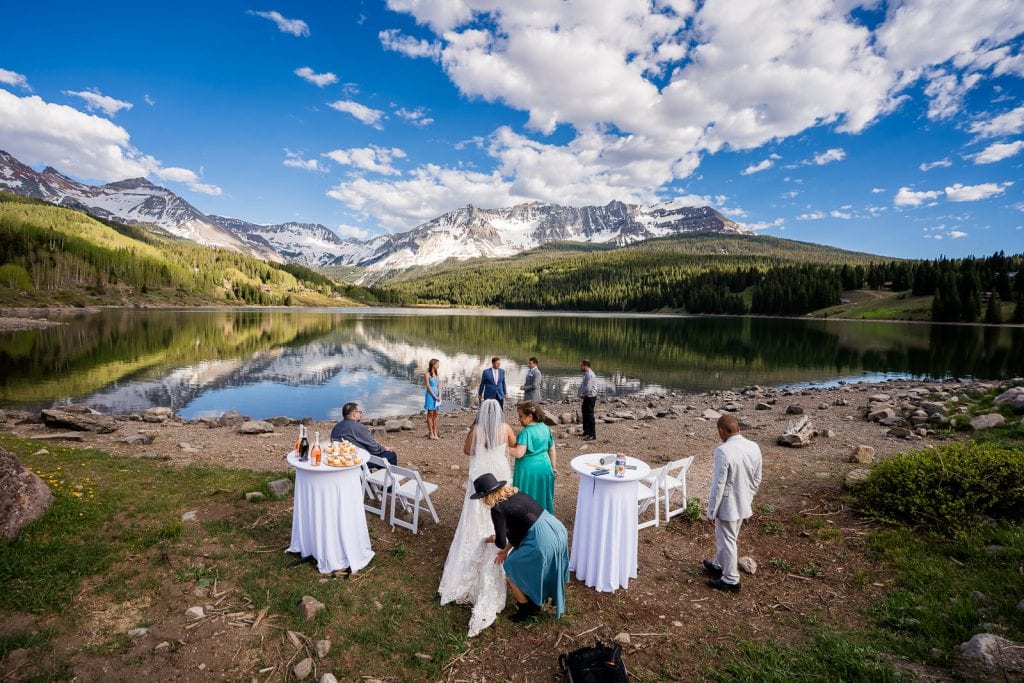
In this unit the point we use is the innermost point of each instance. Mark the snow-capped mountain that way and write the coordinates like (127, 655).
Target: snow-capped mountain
(472, 232)
(469, 232)
(310, 244)
(128, 201)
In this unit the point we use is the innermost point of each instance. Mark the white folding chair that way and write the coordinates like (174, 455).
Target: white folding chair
(645, 497)
(675, 480)
(412, 494)
(376, 485)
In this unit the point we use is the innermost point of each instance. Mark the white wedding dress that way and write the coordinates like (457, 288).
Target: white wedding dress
(470, 574)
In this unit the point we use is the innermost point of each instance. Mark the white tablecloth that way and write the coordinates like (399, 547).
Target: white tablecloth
(604, 537)
(328, 518)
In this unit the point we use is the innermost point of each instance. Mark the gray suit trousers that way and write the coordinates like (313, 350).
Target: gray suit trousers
(726, 534)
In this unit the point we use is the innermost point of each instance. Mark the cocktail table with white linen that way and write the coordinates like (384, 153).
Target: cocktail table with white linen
(328, 518)
(604, 536)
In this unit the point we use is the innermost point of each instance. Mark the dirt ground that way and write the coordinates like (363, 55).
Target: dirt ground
(808, 545)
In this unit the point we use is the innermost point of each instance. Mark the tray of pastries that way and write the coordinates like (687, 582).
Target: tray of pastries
(341, 454)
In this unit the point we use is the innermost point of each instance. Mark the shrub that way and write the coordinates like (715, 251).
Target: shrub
(15, 277)
(947, 488)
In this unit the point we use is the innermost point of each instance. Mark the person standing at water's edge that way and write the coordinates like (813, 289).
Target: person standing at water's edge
(588, 393)
(351, 429)
(734, 482)
(492, 383)
(531, 385)
(432, 396)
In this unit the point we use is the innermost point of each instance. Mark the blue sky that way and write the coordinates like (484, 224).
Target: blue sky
(892, 128)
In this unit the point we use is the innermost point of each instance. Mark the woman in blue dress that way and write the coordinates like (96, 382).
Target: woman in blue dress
(432, 397)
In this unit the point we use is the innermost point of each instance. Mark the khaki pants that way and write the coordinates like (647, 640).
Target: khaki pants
(726, 534)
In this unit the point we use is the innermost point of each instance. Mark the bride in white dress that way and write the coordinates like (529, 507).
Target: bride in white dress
(470, 573)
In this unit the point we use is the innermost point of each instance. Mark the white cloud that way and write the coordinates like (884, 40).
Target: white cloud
(373, 159)
(319, 80)
(82, 145)
(998, 151)
(1009, 123)
(370, 117)
(295, 160)
(392, 39)
(946, 92)
(417, 116)
(295, 27)
(828, 156)
(877, 190)
(956, 234)
(973, 193)
(187, 177)
(844, 215)
(148, 100)
(941, 163)
(766, 225)
(14, 78)
(95, 100)
(763, 165)
(352, 231)
(811, 216)
(907, 197)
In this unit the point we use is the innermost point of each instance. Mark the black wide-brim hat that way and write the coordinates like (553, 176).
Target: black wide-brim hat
(486, 484)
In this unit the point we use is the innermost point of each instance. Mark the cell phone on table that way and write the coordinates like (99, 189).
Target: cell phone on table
(598, 473)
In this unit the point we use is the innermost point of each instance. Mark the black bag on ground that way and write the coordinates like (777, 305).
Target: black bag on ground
(596, 664)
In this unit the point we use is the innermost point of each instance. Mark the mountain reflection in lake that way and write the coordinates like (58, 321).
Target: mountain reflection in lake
(309, 362)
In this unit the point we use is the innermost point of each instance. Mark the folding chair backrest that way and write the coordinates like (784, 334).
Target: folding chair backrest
(675, 480)
(413, 494)
(375, 490)
(647, 494)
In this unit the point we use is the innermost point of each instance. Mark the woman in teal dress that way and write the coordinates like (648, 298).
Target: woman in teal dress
(432, 396)
(535, 457)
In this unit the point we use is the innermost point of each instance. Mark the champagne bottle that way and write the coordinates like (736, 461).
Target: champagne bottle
(298, 440)
(315, 453)
(304, 447)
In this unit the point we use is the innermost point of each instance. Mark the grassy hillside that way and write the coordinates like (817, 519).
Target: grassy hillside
(53, 255)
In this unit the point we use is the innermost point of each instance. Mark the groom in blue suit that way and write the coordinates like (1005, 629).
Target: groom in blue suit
(492, 383)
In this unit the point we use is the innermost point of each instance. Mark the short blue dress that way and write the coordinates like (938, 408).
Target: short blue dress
(429, 402)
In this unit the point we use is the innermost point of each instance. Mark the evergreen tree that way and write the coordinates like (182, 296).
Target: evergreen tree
(993, 311)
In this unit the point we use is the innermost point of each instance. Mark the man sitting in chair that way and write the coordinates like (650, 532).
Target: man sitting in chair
(351, 429)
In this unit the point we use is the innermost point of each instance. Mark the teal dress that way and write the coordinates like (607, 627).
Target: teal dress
(533, 474)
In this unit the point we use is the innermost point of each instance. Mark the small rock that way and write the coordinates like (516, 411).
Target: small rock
(157, 415)
(280, 421)
(280, 487)
(303, 669)
(254, 496)
(747, 565)
(187, 448)
(377, 606)
(162, 646)
(140, 439)
(455, 468)
(137, 632)
(622, 638)
(898, 432)
(329, 678)
(761, 405)
(988, 421)
(196, 612)
(709, 414)
(794, 410)
(879, 398)
(256, 427)
(864, 455)
(855, 478)
(978, 596)
(424, 656)
(322, 648)
(232, 418)
(42, 451)
(988, 657)
(309, 607)
(189, 516)
(565, 418)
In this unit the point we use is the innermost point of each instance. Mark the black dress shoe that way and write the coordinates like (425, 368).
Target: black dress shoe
(711, 570)
(720, 585)
(525, 610)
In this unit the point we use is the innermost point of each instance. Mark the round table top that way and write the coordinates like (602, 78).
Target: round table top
(323, 467)
(588, 462)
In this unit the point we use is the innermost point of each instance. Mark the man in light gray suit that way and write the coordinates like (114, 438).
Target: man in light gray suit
(736, 477)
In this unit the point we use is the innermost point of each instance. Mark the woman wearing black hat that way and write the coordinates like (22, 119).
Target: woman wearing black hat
(534, 546)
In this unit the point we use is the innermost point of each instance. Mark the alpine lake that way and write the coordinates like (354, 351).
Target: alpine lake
(308, 362)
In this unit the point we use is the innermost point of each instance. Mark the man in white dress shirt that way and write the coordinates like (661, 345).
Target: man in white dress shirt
(737, 475)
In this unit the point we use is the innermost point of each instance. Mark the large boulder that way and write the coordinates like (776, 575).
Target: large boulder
(988, 421)
(1008, 397)
(78, 420)
(24, 497)
(157, 415)
(256, 427)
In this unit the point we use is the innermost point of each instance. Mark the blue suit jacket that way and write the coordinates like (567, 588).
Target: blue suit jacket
(489, 388)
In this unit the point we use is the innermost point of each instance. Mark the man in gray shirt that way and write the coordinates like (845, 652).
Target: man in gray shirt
(531, 386)
(588, 393)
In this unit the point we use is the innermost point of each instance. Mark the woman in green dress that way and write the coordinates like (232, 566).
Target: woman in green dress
(535, 457)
